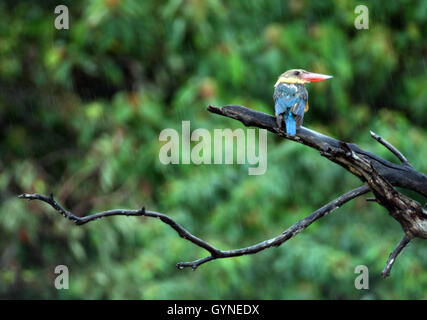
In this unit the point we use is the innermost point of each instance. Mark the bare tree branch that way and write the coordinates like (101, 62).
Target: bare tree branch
(390, 147)
(397, 175)
(121, 212)
(392, 258)
(76, 219)
(377, 174)
(215, 253)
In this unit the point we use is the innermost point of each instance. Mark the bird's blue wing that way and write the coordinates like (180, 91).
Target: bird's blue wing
(298, 111)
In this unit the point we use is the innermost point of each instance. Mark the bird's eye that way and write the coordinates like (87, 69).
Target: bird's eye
(296, 73)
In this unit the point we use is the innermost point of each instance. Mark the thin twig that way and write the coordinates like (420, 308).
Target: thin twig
(215, 253)
(121, 212)
(390, 147)
(392, 258)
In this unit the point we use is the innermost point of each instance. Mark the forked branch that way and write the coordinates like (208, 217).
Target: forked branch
(183, 233)
(377, 174)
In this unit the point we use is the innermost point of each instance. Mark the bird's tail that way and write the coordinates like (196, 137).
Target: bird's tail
(291, 125)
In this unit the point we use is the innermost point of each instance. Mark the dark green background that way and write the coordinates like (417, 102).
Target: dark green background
(80, 115)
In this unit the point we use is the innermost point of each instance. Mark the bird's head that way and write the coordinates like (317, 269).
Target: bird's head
(301, 76)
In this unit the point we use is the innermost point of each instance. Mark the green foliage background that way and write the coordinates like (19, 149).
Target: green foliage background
(80, 115)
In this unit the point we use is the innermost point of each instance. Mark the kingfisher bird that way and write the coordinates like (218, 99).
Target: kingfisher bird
(291, 97)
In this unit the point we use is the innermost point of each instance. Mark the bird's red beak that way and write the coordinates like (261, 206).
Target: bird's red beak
(314, 77)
